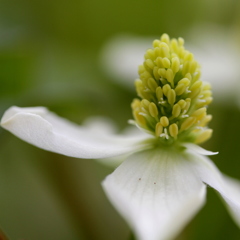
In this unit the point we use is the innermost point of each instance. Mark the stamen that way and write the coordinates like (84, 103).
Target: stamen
(143, 114)
(173, 130)
(187, 90)
(165, 134)
(201, 100)
(164, 121)
(162, 102)
(153, 110)
(183, 115)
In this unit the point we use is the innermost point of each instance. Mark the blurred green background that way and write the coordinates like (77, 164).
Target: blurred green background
(50, 56)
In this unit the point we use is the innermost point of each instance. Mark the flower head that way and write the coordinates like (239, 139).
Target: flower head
(162, 182)
(174, 99)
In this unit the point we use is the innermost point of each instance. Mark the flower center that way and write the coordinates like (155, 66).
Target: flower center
(173, 98)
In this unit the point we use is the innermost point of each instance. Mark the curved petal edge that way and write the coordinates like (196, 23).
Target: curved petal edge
(48, 131)
(228, 187)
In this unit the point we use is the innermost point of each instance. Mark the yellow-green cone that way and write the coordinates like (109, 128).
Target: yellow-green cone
(173, 98)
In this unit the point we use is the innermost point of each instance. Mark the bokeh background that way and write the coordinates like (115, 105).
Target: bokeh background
(51, 55)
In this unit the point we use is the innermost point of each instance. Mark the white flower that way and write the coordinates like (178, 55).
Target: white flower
(162, 182)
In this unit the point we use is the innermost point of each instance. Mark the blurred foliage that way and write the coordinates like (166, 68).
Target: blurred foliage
(49, 55)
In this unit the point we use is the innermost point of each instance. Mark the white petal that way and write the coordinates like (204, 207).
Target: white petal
(199, 149)
(211, 42)
(129, 131)
(226, 186)
(121, 57)
(232, 197)
(46, 130)
(157, 192)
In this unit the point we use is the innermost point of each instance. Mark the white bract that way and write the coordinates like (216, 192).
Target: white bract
(161, 184)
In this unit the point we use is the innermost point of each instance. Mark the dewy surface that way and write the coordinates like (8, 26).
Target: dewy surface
(173, 98)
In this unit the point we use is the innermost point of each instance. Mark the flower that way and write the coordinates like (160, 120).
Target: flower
(162, 182)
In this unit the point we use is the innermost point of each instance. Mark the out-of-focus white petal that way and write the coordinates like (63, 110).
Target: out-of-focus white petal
(214, 47)
(157, 192)
(100, 125)
(233, 197)
(226, 186)
(121, 57)
(46, 130)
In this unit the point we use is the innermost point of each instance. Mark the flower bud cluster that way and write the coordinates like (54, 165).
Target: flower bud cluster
(173, 98)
